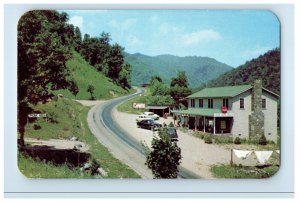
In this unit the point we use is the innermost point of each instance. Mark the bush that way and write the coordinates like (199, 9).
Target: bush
(165, 157)
(237, 140)
(36, 127)
(171, 124)
(262, 140)
(207, 139)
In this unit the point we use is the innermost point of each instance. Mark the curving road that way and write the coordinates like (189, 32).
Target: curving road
(119, 142)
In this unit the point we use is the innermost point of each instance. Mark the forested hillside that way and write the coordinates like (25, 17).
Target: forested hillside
(199, 70)
(265, 67)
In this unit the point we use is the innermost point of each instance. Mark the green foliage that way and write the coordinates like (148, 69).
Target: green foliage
(237, 140)
(266, 67)
(44, 44)
(158, 88)
(171, 125)
(262, 140)
(165, 156)
(80, 70)
(36, 126)
(179, 87)
(90, 89)
(71, 121)
(207, 139)
(106, 58)
(243, 172)
(199, 69)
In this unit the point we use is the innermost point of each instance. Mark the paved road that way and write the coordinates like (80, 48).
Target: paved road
(121, 144)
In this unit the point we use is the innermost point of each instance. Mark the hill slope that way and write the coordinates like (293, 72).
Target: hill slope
(265, 67)
(84, 74)
(199, 70)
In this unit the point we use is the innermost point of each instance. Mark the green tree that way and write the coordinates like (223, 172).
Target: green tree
(43, 49)
(179, 87)
(125, 76)
(77, 39)
(115, 61)
(165, 156)
(90, 89)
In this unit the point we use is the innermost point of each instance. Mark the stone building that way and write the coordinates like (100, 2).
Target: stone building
(245, 111)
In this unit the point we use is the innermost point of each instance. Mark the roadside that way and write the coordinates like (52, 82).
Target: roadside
(66, 119)
(198, 156)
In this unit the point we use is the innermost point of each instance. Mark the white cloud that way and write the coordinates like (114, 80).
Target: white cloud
(123, 25)
(76, 21)
(167, 29)
(199, 37)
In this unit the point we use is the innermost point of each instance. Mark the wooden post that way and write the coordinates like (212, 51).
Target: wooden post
(231, 160)
(214, 125)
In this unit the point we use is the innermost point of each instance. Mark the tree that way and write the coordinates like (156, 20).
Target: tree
(165, 156)
(153, 78)
(125, 76)
(115, 61)
(90, 89)
(77, 39)
(43, 49)
(179, 87)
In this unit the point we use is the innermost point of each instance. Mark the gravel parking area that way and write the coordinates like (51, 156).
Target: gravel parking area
(197, 156)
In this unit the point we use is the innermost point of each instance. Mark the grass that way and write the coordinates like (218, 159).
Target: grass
(33, 168)
(127, 106)
(229, 142)
(243, 172)
(84, 74)
(67, 118)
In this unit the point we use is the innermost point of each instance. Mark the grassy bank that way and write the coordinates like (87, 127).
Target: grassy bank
(243, 172)
(127, 106)
(84, 74)
(67, 118)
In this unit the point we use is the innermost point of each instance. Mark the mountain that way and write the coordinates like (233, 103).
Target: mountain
(199, 70)
(266, 67)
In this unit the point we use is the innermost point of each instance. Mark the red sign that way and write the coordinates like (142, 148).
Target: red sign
(224, 109)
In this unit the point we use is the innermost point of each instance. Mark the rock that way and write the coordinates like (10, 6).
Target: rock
(73, 138)
(102, 172)
(87, 166)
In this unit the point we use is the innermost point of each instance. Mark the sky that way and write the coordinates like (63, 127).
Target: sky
(229, 36)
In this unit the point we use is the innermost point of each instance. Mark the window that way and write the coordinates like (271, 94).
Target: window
(210, 103)
(242, 104)
(192, 102)
(263, 103)
(201, 103)
(225, 102)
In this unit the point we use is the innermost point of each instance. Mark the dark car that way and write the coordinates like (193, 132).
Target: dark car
(149, 124)
(172, 133)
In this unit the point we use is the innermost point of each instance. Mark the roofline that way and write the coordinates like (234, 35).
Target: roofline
(250, 87)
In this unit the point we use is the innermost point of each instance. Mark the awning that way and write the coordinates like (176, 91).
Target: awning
(203, 112)
(157, 107)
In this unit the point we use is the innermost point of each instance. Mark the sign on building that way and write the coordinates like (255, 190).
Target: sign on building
(138, 105)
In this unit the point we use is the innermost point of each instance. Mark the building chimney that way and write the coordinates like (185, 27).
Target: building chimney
(256, 119)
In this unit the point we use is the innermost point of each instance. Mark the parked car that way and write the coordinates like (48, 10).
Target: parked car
(143, 117)
(149, 124)
(172, 133)
(151, 115)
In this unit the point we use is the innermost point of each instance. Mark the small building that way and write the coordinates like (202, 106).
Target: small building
(160, 110)
(245, 111)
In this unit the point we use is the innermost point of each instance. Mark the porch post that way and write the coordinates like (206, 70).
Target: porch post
(203, 123)
(214, 125)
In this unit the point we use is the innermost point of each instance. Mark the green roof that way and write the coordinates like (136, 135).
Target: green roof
(227, 91)
(198, 111)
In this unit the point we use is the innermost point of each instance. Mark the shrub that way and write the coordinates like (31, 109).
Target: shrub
(237, 140)
(207, 139)
(202, 135)
(262, 140)
(171, 124)
(165, 157)
(36, 127)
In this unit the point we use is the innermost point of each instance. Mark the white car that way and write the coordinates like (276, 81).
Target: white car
(151, 115)
(143, 117)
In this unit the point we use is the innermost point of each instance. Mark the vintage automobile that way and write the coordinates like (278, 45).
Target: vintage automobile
(149, 124)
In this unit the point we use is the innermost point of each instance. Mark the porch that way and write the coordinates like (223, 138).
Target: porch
(205, 120)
